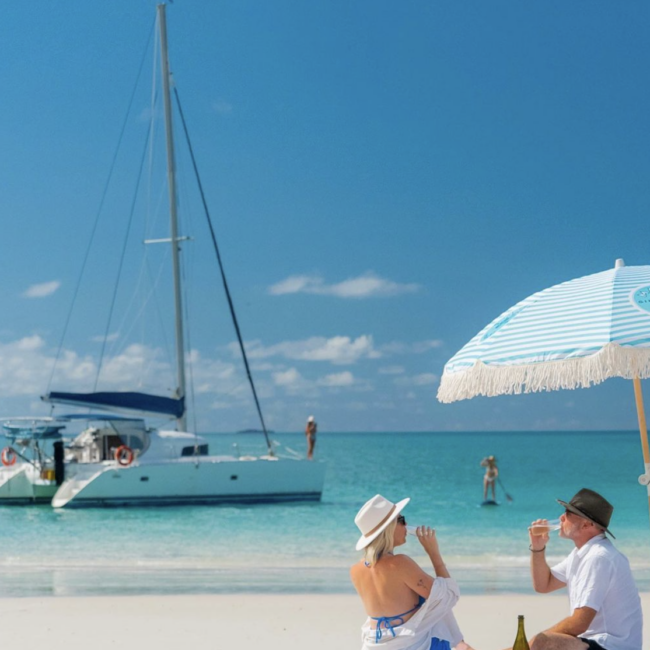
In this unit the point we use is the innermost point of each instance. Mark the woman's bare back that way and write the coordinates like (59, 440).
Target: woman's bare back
(382, 587)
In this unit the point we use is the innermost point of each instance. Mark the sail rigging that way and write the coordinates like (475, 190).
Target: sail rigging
(174, 406)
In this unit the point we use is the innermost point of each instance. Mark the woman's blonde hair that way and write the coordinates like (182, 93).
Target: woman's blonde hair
(381, 545)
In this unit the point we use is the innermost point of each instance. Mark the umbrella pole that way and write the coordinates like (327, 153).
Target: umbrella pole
(644, 479)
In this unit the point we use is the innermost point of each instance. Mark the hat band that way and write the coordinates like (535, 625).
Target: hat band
(593, 519)
(581, 512)
(381, 523)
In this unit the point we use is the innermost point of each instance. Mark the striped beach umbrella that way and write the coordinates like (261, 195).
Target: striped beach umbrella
(572, 335)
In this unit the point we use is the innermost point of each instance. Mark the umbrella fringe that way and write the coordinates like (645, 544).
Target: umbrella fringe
(612, 360)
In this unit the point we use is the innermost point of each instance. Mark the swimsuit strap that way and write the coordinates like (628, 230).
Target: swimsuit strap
(386, 620)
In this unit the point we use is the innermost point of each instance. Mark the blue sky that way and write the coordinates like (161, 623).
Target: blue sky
(385, 179)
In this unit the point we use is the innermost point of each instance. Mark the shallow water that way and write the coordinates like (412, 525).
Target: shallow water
(309, 547)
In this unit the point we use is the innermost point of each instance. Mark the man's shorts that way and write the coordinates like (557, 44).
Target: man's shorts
(591, 644)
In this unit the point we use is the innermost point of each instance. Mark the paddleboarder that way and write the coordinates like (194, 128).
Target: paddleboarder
(490, 476)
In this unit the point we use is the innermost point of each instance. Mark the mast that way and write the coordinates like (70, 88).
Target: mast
(171, 168)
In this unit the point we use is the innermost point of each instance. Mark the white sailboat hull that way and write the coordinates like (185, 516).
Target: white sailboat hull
(22, 485)
(205, 480)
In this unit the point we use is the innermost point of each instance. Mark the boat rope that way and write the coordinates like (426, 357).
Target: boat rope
(100, 208)
(121, 264)
(188, 361)
(223, 274)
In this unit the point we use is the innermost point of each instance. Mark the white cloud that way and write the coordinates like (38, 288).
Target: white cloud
(218, 377)
(336, 350)
(42, 290)
(345, 378)
(289, 377)
(424, 346)
(25, 367)
(30, 343)
(138, 365)
(220, 406)
(419, 347)
(391, 370)
(219, 383)
(26, 364)
(293, 383)
(424, 379)
(368, 285)
(100, 338)
(293, 284)
(265, 366)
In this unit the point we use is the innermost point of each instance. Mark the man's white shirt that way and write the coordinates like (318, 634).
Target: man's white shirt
(599, 576)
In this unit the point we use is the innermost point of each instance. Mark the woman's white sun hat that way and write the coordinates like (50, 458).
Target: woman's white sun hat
(310, 418)
(374, 516)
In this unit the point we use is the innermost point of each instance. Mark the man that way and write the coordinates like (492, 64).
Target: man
(605, 604)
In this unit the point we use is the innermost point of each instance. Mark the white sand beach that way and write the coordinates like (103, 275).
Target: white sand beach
(316, 622)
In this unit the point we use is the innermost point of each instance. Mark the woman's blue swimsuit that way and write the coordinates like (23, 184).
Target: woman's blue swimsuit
(386, 621)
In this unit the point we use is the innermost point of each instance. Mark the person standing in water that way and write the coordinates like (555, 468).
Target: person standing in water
(490, 477)
(310, 432)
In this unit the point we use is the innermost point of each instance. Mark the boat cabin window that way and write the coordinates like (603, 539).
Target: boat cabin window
(110, 443)
(96, 444)
(195, 450)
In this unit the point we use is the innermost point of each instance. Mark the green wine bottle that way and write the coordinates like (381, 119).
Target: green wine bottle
(521, 643)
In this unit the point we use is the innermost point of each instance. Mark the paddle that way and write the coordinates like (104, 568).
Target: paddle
(508, 497)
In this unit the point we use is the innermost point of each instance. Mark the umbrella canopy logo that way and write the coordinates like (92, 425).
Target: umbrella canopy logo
(641, 298)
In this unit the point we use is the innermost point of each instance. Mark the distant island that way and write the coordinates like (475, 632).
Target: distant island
(255, 431)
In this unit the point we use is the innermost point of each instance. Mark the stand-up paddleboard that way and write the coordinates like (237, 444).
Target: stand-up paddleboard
(488, 502)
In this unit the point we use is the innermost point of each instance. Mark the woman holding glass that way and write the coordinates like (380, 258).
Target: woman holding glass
(407, 608)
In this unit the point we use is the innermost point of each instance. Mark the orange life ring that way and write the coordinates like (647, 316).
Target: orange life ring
(8, 457)
(124, 455)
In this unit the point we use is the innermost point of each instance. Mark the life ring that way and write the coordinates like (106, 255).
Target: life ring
(8, 457)
(124, 455)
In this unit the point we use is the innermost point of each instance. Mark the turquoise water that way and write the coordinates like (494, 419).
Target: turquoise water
(309, 547)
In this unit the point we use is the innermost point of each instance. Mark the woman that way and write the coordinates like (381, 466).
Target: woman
(407, 608)
(490, 477)
(310, 432)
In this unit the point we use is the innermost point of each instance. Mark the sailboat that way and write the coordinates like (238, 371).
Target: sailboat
(117, 460)
(27, 469)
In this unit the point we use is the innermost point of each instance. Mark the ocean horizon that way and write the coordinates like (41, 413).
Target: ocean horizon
(309, 547)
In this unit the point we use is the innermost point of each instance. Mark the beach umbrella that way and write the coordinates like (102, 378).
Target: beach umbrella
(572, 335)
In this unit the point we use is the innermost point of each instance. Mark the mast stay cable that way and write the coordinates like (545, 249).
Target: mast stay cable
(121, 264)
(223, 275)
(99, 211)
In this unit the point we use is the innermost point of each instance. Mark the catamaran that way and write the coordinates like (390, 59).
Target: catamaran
(27, 472)
(117, 460)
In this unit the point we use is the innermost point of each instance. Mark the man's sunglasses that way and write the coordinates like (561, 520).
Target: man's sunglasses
(401, 520)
